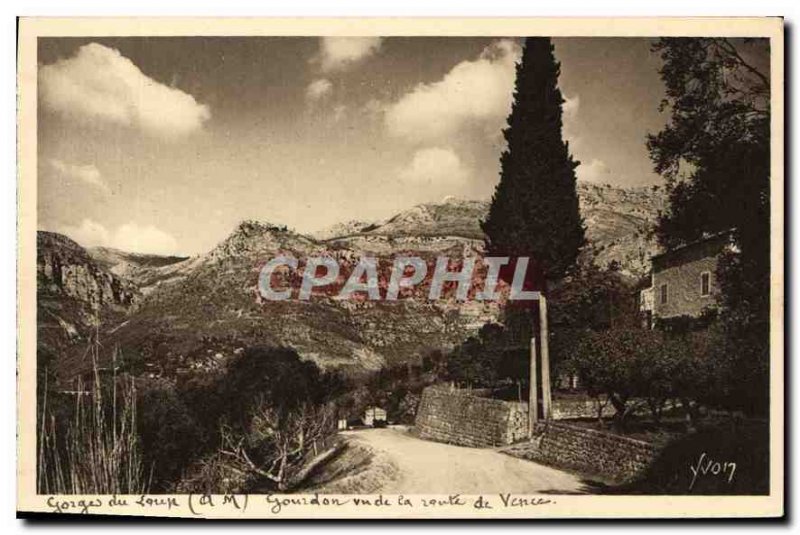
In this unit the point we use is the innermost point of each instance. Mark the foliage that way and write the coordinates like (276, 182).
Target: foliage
(623, 364)
(593, 297)
(275, 376)
(477, 361)
(534, 211)
(275, 445)
(269, 412)
(170, 434)
(717, 91)
(715, 154)
(589, 298)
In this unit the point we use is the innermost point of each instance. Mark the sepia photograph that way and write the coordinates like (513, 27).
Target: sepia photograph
(382, 270)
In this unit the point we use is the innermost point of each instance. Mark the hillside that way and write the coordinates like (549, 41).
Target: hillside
(174, 316)
(618, 224)
(75, 294)
(210, 308)
(144, 270)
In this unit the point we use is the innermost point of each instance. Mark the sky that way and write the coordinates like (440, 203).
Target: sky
(163, 145)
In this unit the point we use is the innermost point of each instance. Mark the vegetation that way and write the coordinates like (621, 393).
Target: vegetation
(96, 448)
(534, 211)
(714, 154)
(265, 417)
(711, 452)
(252, 425)
(621, 365)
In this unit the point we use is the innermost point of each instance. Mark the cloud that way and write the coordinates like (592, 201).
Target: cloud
(595, 171)
(129, 237)
(144, 239)
(478, 91)
(89, 234)
(569, 118)
(100, 84)
(319, 89)
(570, 107)
(435, 166)
(337, 53)
(88, 174)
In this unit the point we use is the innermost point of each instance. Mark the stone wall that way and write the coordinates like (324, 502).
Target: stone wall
(459, 417)
(571, 408)
(586, 450)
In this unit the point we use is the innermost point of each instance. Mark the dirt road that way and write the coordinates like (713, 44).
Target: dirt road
(418, 466)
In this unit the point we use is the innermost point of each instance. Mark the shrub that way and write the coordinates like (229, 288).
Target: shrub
(277, 411)
(170, 435)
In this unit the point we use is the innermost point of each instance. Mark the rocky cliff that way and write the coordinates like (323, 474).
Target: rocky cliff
(75, 296)
(64, 268)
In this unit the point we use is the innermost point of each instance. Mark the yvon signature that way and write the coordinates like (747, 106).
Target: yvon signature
(707, 466)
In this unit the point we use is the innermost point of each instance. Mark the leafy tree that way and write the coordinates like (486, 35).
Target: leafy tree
(607, 363)
(589, 298)
(715, 155)
(477, 361)
(593, 297)
(534, 211)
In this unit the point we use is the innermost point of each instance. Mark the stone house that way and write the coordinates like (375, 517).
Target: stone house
(683, 280)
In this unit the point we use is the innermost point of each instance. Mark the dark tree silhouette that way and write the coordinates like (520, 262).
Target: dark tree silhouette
(534, 210)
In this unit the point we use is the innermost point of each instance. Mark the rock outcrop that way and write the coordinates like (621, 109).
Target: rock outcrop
(65, 268)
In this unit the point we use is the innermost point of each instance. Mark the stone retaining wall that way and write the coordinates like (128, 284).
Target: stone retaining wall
(458, 417)
(586, 450)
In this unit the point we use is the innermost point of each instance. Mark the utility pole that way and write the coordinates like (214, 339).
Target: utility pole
(533, 394)
(547, 400)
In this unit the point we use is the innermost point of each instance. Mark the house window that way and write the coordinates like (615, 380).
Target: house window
(663, 294)
(705, 284)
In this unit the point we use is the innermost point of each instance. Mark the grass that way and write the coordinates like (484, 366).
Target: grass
(95, 450)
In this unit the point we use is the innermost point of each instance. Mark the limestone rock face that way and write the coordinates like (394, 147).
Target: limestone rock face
(65, 268)
(619, 223)
(76, 299)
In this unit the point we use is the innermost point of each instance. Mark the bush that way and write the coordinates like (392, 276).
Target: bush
(276, 411)
(170, 435)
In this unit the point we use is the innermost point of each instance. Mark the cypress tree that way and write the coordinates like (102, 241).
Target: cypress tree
(534, 210)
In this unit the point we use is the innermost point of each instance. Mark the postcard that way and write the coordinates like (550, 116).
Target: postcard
(401, 268)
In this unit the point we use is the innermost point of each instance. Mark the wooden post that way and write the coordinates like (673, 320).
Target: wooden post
(533, 394)
(546, 394)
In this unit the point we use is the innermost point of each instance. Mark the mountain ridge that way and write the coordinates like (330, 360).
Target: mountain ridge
(191, 314)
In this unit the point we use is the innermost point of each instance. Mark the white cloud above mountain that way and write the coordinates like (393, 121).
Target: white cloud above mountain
(99, 84)
(88, 174)
(473, 93)
(338, 53)
(435, 166)
(130, 237)
(595, 171)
